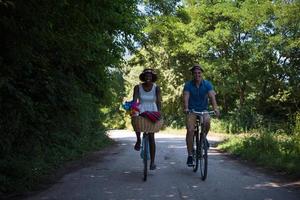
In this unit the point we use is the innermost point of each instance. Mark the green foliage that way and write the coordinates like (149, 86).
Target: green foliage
(62, 77)
(59, 66)
(23, 172)
(279, 152)
(160, 7)
(296, 129)
(249, 50)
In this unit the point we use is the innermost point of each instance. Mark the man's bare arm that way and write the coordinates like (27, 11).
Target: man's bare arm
(212, 97)
(186, 96)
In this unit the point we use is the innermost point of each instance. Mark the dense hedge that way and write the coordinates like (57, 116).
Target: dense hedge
(59, 65)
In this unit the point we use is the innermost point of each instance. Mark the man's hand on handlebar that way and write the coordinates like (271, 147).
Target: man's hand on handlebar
(186, 111)
(217, 112)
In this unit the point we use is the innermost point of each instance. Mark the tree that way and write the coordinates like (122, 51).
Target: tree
(248, 49)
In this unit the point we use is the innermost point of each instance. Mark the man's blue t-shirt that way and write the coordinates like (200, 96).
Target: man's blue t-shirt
(198, 96)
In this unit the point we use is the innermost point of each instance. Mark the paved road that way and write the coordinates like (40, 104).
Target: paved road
(118, 175)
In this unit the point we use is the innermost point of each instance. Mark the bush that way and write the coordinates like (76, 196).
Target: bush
(280, 152)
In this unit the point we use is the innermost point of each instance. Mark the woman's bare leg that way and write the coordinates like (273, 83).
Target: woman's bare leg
(137, 145)
(152, 150)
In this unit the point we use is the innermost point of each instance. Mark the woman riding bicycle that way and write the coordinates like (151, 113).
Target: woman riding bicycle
(149, 97)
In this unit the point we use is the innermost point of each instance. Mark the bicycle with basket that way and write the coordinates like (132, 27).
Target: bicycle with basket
(145, 126)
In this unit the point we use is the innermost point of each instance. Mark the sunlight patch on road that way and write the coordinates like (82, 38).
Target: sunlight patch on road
(164, 167)
(295, 184)
(128, 133)
(170, 195)
(215, 153)
(176, 147)
(167, 141)
(263, 186)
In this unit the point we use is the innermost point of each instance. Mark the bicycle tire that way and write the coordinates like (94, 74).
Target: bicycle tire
(203, 157)
(196, 150)
(145, 158)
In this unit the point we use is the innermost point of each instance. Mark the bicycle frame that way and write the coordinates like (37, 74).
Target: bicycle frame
(199, 140)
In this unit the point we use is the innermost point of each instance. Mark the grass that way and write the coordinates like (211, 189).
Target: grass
(274, 151)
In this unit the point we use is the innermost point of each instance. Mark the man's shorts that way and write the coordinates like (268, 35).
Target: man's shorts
(191, 121)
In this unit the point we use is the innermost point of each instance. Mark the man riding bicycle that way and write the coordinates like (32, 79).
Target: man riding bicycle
(196, 93)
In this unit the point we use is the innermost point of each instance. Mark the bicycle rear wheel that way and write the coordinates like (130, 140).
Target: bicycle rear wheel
(196, 150)
(203, 156)
(145, 155)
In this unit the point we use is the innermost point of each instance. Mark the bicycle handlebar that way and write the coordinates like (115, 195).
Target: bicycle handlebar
(202, 113)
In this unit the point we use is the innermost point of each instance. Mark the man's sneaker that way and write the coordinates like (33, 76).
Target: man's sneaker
(189, 161)
(152, 166)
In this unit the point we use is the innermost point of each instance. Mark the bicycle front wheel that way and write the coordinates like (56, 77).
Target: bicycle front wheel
(203, 157)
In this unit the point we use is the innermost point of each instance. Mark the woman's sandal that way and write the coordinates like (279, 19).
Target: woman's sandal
(137, 146)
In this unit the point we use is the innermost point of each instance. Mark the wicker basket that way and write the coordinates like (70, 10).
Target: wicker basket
(141, 124)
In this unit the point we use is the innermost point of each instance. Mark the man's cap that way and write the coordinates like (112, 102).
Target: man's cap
(196, 66)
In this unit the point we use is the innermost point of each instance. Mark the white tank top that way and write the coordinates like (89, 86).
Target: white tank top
(147, 99)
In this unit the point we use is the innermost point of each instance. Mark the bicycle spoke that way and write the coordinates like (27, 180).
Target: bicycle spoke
(196, 150)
